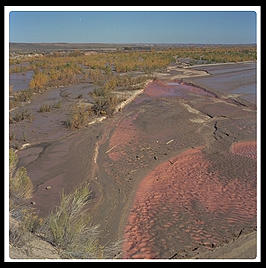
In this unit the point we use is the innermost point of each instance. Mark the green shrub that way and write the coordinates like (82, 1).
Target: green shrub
(65, 222)
(68, 226)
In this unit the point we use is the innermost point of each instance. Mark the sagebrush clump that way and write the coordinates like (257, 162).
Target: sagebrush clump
(80, 116)
(20, 185)
(23, 219)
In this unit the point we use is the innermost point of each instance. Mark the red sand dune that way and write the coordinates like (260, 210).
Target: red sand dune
(183, 202)
(245, 148)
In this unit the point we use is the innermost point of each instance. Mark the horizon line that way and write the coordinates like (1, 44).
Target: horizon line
(122, 43)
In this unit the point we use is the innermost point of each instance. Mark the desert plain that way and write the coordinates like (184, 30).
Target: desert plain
(172, 171)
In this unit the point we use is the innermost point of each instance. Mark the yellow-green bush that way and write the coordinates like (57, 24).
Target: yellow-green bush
(39, 81)
(23, 219)
(68, 226)
(20, 185)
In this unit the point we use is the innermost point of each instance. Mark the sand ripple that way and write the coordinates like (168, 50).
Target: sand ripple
(183, 205)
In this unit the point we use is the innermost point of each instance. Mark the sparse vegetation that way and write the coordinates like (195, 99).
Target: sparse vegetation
(20, 186)
(45, 108)
(19, 116)
(23, 95)
(213, 54)
(11, 136)
(68, 227)
(104, 101)
(57, 105)
(80, 116)
(39, 81)
(23, 219)
(61, 69)
(105, 105)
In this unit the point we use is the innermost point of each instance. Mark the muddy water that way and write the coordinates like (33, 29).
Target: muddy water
(165, 89)
(227, 68)
(230, 79)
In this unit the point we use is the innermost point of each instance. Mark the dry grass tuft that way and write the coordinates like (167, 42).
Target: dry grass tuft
(105, 105)
(45, 108)
(80, 116)
(20, 116)
(23, 95)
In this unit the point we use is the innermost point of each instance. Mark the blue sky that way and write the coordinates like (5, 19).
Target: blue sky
(212, 27)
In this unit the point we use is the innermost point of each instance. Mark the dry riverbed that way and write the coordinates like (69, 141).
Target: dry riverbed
(173, 172)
